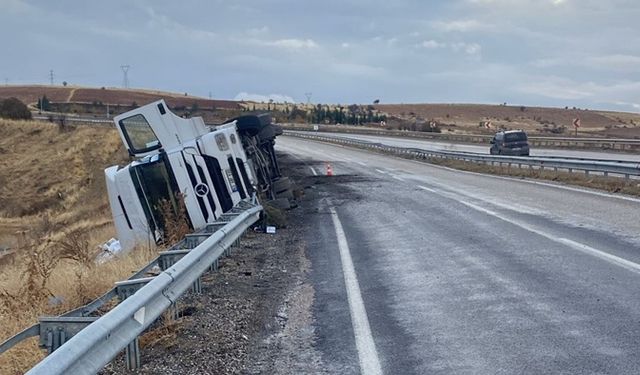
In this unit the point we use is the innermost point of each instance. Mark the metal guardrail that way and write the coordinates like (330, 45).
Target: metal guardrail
(617, 168)
(82, 120)
(78, 343)
(96, 345)
(573, 142)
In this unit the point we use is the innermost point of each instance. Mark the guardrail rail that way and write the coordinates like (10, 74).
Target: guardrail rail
(79, 343)
(620, 144)
(606, 168)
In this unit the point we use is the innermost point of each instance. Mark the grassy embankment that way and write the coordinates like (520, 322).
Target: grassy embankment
(54, 213)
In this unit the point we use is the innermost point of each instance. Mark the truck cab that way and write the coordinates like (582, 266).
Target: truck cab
(175, 157)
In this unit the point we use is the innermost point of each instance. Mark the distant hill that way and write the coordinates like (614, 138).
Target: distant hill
(467, 117)
(463, 118)
(109, 95)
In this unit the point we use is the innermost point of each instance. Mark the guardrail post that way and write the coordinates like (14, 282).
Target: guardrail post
(127, 288)
(55, 330)
(132, 354)
(214, 266)
(171, 257)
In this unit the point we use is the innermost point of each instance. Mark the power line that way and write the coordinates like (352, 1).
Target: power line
(125, 76)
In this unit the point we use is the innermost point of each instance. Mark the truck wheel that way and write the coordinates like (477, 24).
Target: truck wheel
(285, 194)
(281, 184)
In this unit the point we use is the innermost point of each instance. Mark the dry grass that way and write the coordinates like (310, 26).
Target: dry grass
(466, 117)
(29, 94)
(44, 171)
(50, 280)
(164, 333)
(54, 213)
(175, 218)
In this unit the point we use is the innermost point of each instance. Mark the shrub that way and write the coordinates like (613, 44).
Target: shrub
(14, 109)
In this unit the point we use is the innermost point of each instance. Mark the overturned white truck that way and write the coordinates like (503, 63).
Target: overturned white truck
(212, 167)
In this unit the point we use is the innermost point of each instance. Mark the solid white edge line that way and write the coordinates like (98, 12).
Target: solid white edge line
(530, 181)
(367, 353)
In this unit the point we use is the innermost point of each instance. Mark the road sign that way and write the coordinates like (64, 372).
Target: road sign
(576, 122)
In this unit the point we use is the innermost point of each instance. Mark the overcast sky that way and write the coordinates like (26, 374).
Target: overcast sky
(583, 53)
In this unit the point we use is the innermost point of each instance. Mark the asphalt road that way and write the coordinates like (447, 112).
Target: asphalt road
(419, 269)
(484, 149)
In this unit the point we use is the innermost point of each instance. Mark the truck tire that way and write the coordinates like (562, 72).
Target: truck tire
(285, 194)
(281, 203)
(281, 184)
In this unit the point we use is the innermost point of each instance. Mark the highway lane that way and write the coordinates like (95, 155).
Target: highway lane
(461, 273)
(484, 149)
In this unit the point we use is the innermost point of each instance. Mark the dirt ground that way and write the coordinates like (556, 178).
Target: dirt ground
(465, 118)
(254, 314)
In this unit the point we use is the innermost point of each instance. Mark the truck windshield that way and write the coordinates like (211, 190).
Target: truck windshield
(139, 134)
(154, 184)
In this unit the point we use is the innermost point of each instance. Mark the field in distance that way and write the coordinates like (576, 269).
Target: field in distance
(457, 118)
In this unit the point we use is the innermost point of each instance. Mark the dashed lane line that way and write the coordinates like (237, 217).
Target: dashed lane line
(426, 188)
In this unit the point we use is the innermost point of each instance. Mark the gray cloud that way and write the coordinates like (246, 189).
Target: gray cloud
(533, 52)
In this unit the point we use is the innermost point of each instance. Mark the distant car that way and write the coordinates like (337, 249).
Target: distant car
(511, 142)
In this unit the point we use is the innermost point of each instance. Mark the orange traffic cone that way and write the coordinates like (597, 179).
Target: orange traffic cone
(329, 170)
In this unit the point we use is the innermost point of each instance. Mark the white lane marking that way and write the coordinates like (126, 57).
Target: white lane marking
(533, 182)
(598, 193)
(514, 179)
(517, 179)
(361, 163)
(629, 265)
(426, 188)
(313, 171)
(398, 178)
(367, 354)
(381, 171)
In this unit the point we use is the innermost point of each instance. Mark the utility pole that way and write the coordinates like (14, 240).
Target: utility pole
(125, 76)
(308, 95)
(6, 81)
(107, 110)
(209, 94)
(51, 76)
